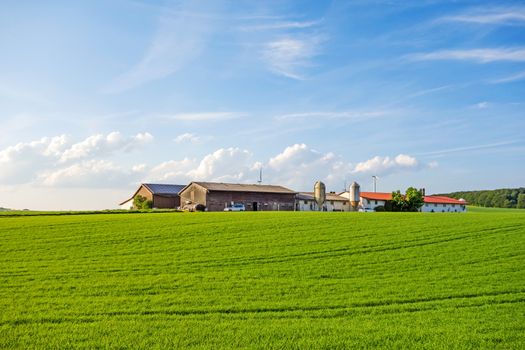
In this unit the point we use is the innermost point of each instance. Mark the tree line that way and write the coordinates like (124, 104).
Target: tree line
(500, 198)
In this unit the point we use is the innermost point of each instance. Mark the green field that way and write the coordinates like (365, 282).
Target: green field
(263, 280)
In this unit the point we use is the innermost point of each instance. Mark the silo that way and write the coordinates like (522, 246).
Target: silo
(320, 194)
(354, 194)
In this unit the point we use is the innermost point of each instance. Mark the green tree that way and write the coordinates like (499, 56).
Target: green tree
(521, 201)
(141, 202)
(414, 199)
(398, 201)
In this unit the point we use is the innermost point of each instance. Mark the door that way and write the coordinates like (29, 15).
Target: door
(254, 206)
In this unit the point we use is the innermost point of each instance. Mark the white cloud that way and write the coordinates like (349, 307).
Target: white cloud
(299, 166)
(223, 165)
(97, 145)
(481, 105)
(18, 163)
(385, 165)
(206, 116)
(477, 55)
(186, 137)
(179, 39)
(40, 160)
(355, 115)
(89, 173)
(469, 148)
(279, 25)
(288, 56)
(510, 78)
(176, 171)
(503, 16)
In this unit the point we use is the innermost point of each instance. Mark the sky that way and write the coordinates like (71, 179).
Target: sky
(99, 96)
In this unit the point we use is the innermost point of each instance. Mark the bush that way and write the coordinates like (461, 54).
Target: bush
(379, 208)
(141, 202)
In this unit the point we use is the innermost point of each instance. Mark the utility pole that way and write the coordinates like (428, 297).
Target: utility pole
(260, 176)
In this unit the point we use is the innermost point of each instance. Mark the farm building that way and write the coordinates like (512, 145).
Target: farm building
(217, 196)
(371, 200)
(163, 196)
(305, 201)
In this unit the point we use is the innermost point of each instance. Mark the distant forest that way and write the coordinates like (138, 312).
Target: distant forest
(502, 198)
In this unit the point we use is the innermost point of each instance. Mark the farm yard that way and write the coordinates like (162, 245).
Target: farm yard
(263, 280)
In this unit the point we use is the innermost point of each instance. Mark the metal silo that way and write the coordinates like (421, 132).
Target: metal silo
(354, 194)
(320, 194)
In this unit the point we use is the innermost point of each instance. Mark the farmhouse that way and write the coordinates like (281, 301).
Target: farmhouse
(371, 200)
(163, 196)
(305, 201)
(217, 196)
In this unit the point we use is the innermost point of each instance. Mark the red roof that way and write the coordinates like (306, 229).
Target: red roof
(384, 196)
(443, 200)
(380, 196)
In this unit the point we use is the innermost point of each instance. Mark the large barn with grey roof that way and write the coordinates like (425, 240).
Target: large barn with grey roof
(217, 196)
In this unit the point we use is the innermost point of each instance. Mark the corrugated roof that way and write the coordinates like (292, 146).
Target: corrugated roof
(443, 200)
(219, 186)
(329, 196)
(383, 196)
(164, 189)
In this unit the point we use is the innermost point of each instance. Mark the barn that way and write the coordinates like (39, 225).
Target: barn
(163, 196)
(217, 196)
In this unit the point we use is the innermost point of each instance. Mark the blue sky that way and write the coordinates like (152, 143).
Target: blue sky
(98, 96)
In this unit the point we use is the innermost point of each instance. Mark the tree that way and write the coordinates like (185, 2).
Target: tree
(414, 199)
(521, 201)
(141, 202)
(398, 202)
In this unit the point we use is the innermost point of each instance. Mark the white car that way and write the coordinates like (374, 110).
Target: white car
(236, 207)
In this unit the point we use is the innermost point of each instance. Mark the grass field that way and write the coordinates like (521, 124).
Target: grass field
(263, 280)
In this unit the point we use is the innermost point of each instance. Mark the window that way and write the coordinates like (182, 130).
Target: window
(332, 202)
(305, 202)
(453, 205)
(444, 205)
(426, 205)
(375, 202)
(435, 205)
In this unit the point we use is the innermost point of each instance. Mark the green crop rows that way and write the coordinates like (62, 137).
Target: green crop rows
(263, 280)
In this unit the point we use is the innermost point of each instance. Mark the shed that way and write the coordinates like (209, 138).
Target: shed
(164, 196)
(217, 195)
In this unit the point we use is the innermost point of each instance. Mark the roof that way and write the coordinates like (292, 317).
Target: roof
(329, 196)
(164, 189)
(228, 187)
(384, 196)
(380, 196)
(444, 200)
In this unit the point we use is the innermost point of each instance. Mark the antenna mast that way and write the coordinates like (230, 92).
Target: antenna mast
(260, 176)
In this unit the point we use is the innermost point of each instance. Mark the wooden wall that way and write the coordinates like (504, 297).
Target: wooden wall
(165, 202)
(218, 200)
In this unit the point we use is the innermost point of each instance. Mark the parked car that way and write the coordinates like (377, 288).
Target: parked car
(236, 207)
(366, 210)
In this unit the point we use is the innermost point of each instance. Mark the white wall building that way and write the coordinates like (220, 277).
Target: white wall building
(433, 204)
(304, 201)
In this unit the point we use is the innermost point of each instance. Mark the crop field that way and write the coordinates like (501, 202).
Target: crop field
(263, 280)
